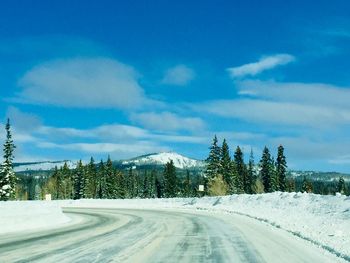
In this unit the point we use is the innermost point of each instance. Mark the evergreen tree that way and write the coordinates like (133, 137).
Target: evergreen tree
(187, 188)
(341, 185)
(213, 162)
(159, 188)
(226, 164)
(37, 192)
(251, 175)
(101, 181)
(306, 186)
(7, 175)
(58, 184)
(281, 167)
(145, 185)
(152, 184)
(120, 185)
(111, 180)
(91, 180)
(240, 172)
(68, 183)
(130, 184)
(78, 178)
(170, 181)
(274, 176)
(265, 170)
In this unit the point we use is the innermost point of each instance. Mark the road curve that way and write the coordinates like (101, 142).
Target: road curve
(122, 235)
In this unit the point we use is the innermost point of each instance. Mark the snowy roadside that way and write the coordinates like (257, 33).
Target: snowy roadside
(323, 220)
(16, 216)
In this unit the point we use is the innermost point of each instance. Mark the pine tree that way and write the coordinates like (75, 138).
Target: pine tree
(273, 175)
(37, 192)
(226, 164)
(144, 185)
(240, 172)
(7, 175)
(152, 184)
(170, 181)
(78, 178)
(213, 163)
(306, 186)
(341, 185)
(159, 188)
(187, 189)
(101, 183)
(68, 182)
(281, 167)
(251, 175)
(111, 180)
(90, 185)
(265, 170)
(129, 184)
(58, 184)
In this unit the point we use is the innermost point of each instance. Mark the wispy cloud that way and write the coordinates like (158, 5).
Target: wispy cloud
(179, 75)
(265, 63)
(167, 121)
(119, 150)
(82, 83)
(291, 104)
(302, 93)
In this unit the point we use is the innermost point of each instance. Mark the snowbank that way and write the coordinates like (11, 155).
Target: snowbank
(323, 220)
(29, 215)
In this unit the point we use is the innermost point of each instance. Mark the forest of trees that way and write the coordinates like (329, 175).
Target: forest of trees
(103, 180)
(223, 175)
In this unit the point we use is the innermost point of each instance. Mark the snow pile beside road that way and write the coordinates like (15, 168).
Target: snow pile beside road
(324, 220)
(29, 215)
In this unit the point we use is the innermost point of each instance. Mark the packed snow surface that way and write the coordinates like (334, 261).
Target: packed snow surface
(16, 216)
(323, 220)
(179, 160)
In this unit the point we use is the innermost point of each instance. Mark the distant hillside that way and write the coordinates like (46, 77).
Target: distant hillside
(158, 160)
(41, 166)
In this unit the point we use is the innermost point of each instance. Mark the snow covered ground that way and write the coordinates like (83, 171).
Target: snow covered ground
(16, 216)
(323, 220)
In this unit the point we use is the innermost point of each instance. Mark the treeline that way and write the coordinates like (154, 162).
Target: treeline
(322, 187)
(104, 181)
(223, 175)
(226, 175)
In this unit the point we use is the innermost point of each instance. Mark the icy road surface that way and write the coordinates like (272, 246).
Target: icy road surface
(125, 235)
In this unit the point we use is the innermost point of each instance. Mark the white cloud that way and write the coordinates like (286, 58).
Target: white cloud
(167, 121)
(179, 75)
(294, 104)
(82, 83)
(283, 113)
(265, 63)
(22, 121)
(302, 93)
(115, 150)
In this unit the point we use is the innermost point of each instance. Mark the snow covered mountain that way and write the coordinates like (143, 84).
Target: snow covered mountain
(162, 158)
(153, 159)
(41, 166)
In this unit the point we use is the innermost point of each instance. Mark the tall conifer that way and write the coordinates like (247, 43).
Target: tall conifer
(7, 175)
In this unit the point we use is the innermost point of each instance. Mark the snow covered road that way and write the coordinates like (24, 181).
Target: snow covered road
(162, 235)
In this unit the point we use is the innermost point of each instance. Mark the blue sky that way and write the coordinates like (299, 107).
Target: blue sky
(99, 78)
